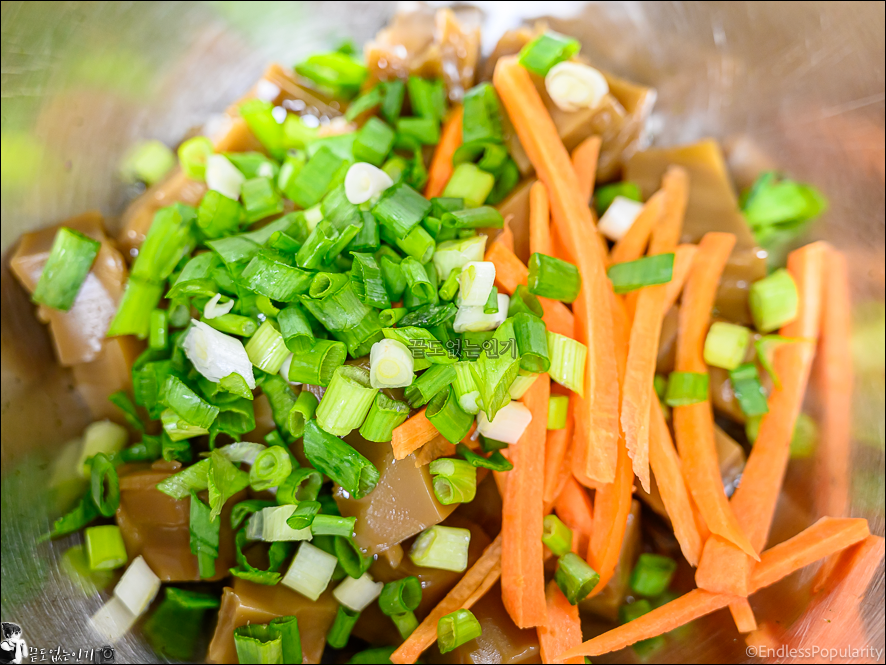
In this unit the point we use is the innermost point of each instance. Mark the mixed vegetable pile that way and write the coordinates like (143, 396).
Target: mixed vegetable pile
(394, 370)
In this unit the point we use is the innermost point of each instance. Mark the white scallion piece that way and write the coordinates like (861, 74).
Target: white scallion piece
(102, 436)
(215, 355)
(390, 364)
(112, 620)
(242, 451)
(266, 90)
(357, 594)
(274, 526)
(255, 526)
(452, 254)
(573, 86)
(619, 217)
(509, 423)
(224, 177)
(138, 586)
(474, 319)
(475, 283)
(365, 182)
(213, 310)
(310, 571)
(284, 370)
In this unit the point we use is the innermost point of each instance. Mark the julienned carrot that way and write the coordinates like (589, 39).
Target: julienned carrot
(426, 633)
(441, 165)
(743, 615)
(769, 635)
(724, 568)
(584, 161)
(683, 257)
(434, 449)
(556, 446)
(668, 472)
(510, 272)
(596, 418)
(834, 618)
(412, 435)
(823, 538)
(539, 219)
(573, 506)
(563, 629)
(522, 555)
(633, 243)
(646, 329)
(612, 501)
(506, 237)
(833, 378)
(694, 424)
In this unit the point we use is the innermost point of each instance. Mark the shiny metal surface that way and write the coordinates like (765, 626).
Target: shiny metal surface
(799, 85)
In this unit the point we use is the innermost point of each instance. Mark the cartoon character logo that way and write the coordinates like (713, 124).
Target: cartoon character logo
(13, 648)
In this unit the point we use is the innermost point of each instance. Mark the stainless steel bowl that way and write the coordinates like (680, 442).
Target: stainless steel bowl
(799, 85)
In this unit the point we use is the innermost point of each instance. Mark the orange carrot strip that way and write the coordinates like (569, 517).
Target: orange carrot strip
(596, 418)
(825, 537)
(558, 247)
(510, 272)
(694, 424)
(633, 243)
(833, 617)
(563, 629)
(426, 633)
(434, 449)
(722, 567)
(667, 468)
(683, 257)
(834, 380)
(646, 329)
(412, 435)
(574, 507)
(441, 165)
(522, 555)
(584, 161)
(556, 445)
(743, 615)
(539, 219)
(506, 237)
(768, 636)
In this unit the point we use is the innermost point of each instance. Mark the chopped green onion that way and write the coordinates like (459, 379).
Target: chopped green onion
(442, 547)
(417, 280)
(158, 337)
(556, 536)
(606, 194)
(333, 525)
(301, 412)
(233, 324)
(340, 631)
(346, 402)
(652, 574)
(491, 306)
(332, 456)
(176, 628)
(104, 485)
(317, 245)
(726, 345)
(104, 547)
(568, 359)
(260, 199)
(482, 115)
(391, 317)
(325, 284)
(547, 50)
(455, 480)
(474, 218)
(367, 281)
(473, 185)
(509, 424)
(281, 399)
(558, 406)
(223, 177)
(310, 571)
(197, 277)
(575, 578)
(271, 467)
(367, 240)
(522, 383)
(426, 98)
(338, 73)
(748, 390)
(133, 316)
(260, 118)
(475, 319)
(275, 524)
(391, 365)
(204, 537)
(417, 244)
(180, 485)
(495, 462)
(495, 372)
(456, 629)
(253, 164)
(774, 301)
(686, 388)
(351, 557)
(384, 417)
(286, 628)
(430, 315)
(266, 348)
(303, 484)
(553, 278)
(524, 301)
(394, 92)
(466, 388)
(532, 343)
(224, 480)
(167, 242)
(805, 437)
(373, 142)
(254, 644)
(272, 278)
(431, 382)
(376, 654)
(295, 329)
(400, 209)
(217, 215)
(648, 271)
(357, 593)
(304, 515)
(293, 164)
(192, 154)
(489, 445)
(447, 416)
(317, 177)
(187, 404)
(67, 267)
(424, 131)
(451, 285)
(765, 348)
(456, 254)
(317, 365)
(476, 283)
(339, 311)
(400, 596)
(364, 103)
